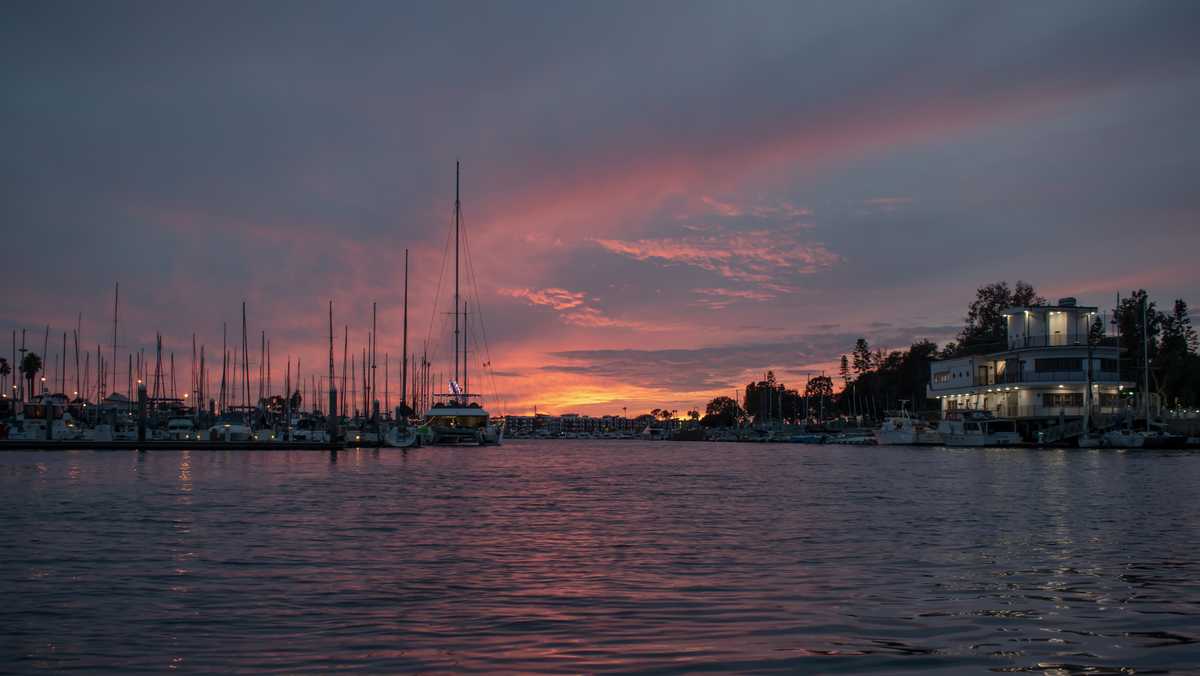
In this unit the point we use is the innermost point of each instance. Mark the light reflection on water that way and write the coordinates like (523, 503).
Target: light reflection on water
(590, 556)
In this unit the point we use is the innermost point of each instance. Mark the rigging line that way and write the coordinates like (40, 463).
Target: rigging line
(438, 293)
(479, 309)
(482, 325)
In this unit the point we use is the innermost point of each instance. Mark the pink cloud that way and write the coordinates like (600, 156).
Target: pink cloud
(755, 256)
(559, 299)
(572, 308)
(718, 298)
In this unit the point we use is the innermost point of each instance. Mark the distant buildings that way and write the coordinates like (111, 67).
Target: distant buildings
(542, 424)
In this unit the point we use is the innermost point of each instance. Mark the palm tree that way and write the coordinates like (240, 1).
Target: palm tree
(30, 366)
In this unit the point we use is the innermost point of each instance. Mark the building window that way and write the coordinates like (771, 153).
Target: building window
(941, 377)
(1109, 365)
(1062, 399)
(1057, 364)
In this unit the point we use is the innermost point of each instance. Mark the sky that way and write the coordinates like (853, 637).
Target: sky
(661, 200)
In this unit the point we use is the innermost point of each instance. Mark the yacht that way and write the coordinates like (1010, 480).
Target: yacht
(230, 427)
(967, 427)
(902, 429)
(458, 417)
(452, 420)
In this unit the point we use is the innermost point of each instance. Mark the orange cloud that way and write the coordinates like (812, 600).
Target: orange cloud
(755, 256)
(572, 308)
(559, 299)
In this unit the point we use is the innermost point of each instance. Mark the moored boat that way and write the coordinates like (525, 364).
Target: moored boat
(967, 427)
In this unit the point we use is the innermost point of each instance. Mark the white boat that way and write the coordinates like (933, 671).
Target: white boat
(181, 428)
(454, 422)
(966, 427)
(230, 428)
(458, 417)
(902, 429)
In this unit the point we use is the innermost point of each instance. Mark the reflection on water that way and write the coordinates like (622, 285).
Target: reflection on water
(597, 556)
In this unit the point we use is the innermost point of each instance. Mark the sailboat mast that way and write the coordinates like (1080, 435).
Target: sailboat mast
(333, 409)
(466, 327)
(457, 208)
(116, 300)
(404, 360)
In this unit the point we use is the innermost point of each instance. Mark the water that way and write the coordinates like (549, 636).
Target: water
(594, 556)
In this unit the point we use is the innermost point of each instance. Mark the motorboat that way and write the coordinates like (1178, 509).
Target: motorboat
(230, 427)
(902, 429)
(967, 427)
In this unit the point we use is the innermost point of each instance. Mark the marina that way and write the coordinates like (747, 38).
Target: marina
(641, 338)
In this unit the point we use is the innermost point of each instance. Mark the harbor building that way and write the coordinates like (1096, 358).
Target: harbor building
(1040, 377)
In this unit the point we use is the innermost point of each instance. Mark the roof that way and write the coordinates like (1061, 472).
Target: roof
(1028, 308)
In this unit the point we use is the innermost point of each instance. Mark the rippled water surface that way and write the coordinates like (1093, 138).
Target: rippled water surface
(590, 556)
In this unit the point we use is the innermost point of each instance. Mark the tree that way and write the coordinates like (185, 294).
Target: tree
(5, 370)
(819, 386)
(1095, 332)
(844, 371)
(1178, 334)
(862, 356)
(721, 412)
(1177, 364)
(693, 415)
(1139, 324)
(30, 366)
(986, 329)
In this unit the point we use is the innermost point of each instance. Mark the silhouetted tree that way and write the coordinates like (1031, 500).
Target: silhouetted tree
(721, 412)
(1177, 362)
(986, 329)
(1139, 323)
(30, 366)
(819, 393)
(862, 356)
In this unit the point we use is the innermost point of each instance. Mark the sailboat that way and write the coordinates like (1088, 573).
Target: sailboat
(457, 416)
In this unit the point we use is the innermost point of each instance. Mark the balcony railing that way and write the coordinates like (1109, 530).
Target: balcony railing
(1003, 411)
(1017, 377)
(1058, 340)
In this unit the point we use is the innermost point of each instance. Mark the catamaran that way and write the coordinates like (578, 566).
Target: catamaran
(458, 416)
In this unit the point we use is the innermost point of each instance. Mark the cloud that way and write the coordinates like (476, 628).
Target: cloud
(573, 308)
(767, 258)
(718, 298)
(559, 299)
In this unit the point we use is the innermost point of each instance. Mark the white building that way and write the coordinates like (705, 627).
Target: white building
(1043, 373)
